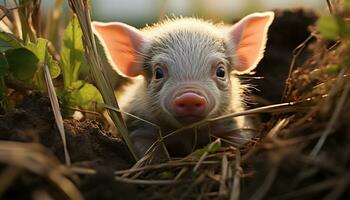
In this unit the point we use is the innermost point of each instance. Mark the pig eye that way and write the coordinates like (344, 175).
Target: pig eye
(158, 73)
(220, 71)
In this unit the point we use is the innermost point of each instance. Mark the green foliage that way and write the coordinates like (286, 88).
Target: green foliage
(76, 92)
(332, 69)
(336, 27)
(22, 63)
(72, 53)
(39, 49)
(328, 27)
(210, 148)
(346, 63)
(333, 27)
(4, 66)
(23, 59)
(9, 41)
(82, 94)
(347, 3)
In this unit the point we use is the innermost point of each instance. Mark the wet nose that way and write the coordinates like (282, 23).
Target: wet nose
(189, 104)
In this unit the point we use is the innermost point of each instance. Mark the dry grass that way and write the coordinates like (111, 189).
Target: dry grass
(21, 158)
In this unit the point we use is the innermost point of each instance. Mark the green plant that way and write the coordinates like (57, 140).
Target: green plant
(337, 28)
(23, 55)
(76, 92)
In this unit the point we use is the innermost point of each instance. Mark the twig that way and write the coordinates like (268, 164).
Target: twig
(147, 182)
(148, 122)
(163, 165)
(262, 191)
(296, 52)
(83, 170)
(236, 188)
(81, 9)
(56, 108)
(283, 107)
(182, 172)
(330, 7)
(324, 185)
(330, 126)
(321, 164)
(7, 176)
(224, 171)
(194, 183)
(279, 125)
(36, 159)
(340, 187)
(205, 154)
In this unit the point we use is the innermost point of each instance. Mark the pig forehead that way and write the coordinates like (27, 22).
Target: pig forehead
(188, 49)
(188, 40)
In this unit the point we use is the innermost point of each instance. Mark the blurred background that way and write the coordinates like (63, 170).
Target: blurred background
(141, 12)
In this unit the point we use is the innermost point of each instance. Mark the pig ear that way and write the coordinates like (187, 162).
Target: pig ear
(248, 37)
(121, 43)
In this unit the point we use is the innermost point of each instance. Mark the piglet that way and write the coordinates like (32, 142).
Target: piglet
(186, 71)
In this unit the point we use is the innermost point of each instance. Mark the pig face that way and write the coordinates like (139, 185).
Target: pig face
(187, 70)
(187, 63)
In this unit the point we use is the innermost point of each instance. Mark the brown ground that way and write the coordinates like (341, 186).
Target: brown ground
(88, 145)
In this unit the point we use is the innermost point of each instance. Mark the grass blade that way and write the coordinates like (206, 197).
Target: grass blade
(56, 109)
(81, 9)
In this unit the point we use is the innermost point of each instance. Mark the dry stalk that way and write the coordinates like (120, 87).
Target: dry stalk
(340, 187)
(224, 173)
(56, 108)
(330, 127)
(35, 159)
(169, 164)
(7, 177)
(320, 186)
(81, 9)
(205, 154)
(264, 188)
(236, 187)
(146, 182)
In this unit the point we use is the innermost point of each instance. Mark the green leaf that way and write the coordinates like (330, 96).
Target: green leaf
(72, 53)
(346, 63)
(329, 27)
(22, 63)
(83, 94)
(347, 3)
(332, 69)
(55, 69)
(210, 148)
(4, 66)
(9, 41)
(39, 49)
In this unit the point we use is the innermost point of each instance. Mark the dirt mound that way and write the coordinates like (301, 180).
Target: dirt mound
(88, 145)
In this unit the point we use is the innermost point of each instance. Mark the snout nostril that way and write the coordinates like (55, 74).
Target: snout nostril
(189, 104)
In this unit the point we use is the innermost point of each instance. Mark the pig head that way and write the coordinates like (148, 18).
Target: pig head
(188, 68)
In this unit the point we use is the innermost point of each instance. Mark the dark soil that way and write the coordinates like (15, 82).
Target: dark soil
(88, 145)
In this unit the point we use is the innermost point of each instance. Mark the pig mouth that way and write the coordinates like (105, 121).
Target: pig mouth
(186, 120)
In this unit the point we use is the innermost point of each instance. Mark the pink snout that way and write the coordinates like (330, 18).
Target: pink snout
(189, 105)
